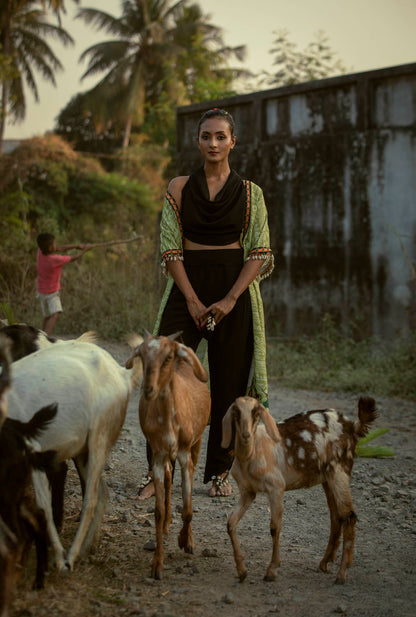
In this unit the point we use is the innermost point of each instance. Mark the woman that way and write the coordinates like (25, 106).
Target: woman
(215, 249)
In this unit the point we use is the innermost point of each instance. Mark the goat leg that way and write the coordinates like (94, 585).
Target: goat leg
(246, 499)
(335, 531)
(168, 488)
(41, 543)
(348, 528)
(57, 481)
(44, 501)
(158, 478)
(276, 509)
(93, 534)
(185, 538)
(98, 453)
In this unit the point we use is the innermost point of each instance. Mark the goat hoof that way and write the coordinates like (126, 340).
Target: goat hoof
(340, 580)
(242, 577)
(184, 543)
(157, 571)
(269, 577)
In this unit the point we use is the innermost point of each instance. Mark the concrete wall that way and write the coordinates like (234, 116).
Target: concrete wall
(336, 159)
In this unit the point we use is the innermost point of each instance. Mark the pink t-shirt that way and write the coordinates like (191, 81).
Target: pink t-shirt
(49, 269)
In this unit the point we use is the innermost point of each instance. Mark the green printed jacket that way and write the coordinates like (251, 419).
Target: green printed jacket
(256, 245)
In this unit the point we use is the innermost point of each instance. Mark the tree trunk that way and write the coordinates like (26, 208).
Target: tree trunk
(127, 131)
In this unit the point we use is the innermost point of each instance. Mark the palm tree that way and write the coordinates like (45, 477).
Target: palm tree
(57, 7)
(151, 53)
(23, 32)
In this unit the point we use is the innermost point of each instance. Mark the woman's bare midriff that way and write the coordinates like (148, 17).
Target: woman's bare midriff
(194, 246)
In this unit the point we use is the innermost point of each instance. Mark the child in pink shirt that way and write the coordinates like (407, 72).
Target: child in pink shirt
(49, 267)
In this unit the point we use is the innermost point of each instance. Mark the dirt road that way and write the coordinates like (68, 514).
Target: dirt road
(115, 580)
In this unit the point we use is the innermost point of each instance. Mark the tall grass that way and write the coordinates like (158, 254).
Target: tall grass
(114, 292)
(111, 291)
(331, 361)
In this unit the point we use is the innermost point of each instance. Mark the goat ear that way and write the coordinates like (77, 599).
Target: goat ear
(269, 423)
(227, 427)
(174, 336)
(146, 333)
(129, 363)
(134, 340)
(188, 354)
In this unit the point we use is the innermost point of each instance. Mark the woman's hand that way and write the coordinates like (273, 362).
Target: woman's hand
(196, 309)
(218, 310)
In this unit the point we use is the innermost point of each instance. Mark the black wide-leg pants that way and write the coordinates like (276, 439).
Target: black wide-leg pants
(212, 273)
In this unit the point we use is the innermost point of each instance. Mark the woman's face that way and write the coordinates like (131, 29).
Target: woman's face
(215, 140)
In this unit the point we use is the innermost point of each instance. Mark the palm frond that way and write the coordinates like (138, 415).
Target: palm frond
(101, 20)
(363, 450)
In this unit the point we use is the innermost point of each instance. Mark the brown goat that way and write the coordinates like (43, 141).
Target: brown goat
(21, 521)
(174, 410)
(316, 447)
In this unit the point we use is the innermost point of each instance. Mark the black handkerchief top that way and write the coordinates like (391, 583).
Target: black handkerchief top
(218, 222)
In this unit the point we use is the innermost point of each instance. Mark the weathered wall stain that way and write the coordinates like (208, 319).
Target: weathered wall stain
(336, 160)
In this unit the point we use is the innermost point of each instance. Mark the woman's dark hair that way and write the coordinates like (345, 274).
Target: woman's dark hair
(217, 113)
(44, 242)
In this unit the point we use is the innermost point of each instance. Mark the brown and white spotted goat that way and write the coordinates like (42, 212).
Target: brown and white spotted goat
(174, 410)
(315, 447)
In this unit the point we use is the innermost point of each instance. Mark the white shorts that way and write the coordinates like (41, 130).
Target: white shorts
(50, 303)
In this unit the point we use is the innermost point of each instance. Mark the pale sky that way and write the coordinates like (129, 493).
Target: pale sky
(365, 34)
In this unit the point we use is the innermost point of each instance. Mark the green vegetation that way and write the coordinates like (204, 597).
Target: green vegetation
(158, 55)
(46, 186)
(333, 361)
(25, 33)
(161, 55)
(366, 451)
(294, 66)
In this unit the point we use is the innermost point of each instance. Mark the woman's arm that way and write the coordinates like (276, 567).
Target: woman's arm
(221, 308)
(195, 307)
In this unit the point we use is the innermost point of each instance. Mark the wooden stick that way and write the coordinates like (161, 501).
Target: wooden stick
(110, 242)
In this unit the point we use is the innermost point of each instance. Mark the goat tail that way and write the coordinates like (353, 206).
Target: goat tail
(367, 413)
(87, 337)
(38, 423)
